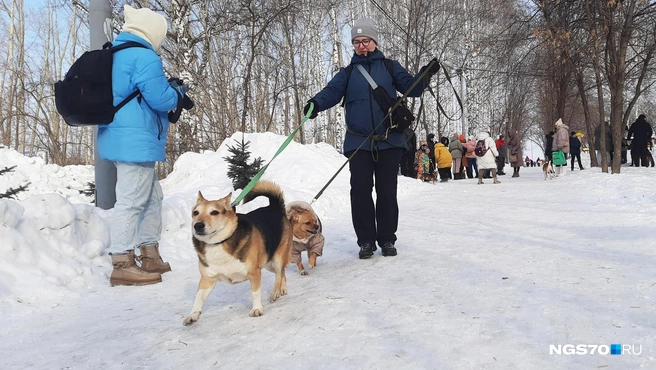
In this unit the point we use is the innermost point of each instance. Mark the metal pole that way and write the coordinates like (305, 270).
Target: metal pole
(100, 31)
(463, 118)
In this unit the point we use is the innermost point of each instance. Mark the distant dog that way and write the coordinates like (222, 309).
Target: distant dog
(233, 247)
(306, 228)
(428, 177)
(548, 170)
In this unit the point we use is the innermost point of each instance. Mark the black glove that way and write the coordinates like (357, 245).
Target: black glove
(315, 109)
(434, 68)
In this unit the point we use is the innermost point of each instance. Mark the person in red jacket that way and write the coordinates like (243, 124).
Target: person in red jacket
(501, 159)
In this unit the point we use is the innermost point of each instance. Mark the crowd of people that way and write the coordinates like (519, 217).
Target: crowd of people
(455, 157)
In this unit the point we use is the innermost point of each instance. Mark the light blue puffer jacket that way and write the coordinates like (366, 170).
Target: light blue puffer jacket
(139, 130)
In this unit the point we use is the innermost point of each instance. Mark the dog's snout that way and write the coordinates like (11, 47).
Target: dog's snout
(199, 226)
(314, 229)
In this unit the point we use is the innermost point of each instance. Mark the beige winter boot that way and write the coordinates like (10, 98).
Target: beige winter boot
(151, 260)
(494, 176)
(126, 271)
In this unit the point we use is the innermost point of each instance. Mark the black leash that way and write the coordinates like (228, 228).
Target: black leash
(446, 74)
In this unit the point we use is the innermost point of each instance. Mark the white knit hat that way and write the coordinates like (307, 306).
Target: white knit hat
(146, 24)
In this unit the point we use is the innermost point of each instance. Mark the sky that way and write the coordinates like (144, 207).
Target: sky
(504, 276)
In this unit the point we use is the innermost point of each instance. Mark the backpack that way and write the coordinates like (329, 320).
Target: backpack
(84, 97)
(401, 117)
(480, 148)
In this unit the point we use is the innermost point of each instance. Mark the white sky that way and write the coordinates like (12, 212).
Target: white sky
(487, 276)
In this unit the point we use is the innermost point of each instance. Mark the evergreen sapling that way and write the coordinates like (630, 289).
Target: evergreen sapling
(239, 170)
(11, 193)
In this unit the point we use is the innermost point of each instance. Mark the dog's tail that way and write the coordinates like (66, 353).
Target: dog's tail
(269, 190)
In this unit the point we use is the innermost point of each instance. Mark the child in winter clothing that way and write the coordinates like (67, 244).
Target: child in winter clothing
(457, 153)
(472, 165)
(422, 161)
(134, 141)
(443, 159)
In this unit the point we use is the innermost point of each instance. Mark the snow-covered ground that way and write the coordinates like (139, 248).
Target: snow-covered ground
(487, 276)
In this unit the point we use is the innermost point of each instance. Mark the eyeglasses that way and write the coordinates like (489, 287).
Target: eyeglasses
(364, 42)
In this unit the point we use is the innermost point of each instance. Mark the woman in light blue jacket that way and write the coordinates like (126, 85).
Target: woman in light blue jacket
(134, 141)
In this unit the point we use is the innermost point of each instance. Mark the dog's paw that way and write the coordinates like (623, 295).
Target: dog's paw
(303, 272)
(277, 294)
(310, 265)
(191, 319)
(256, 312)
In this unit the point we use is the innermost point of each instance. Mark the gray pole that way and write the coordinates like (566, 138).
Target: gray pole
(465, 123)
(100, 31)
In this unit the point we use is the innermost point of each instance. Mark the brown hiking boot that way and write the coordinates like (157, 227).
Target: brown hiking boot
(151, 261)
(126, 271)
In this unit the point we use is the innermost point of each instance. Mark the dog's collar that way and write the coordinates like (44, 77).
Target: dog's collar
(222, 241)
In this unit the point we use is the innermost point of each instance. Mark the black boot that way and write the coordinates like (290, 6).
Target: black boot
(388, 249)
(366, 250)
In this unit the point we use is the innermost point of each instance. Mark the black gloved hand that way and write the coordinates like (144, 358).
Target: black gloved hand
(434, 68)
(315, 109)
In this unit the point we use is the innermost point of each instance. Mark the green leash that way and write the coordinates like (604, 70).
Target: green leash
(256, 178)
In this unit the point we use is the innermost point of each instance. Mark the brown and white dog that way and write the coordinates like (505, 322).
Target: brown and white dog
(429, 177)
(548, 170)
(234, 247)
(306, 228)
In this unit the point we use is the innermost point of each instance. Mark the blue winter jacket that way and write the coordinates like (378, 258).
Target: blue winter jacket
(362, 111)
(138, 132)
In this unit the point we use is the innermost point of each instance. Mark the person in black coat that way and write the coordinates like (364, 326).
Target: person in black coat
(641, 132)
(430, 139)
(549, 146)
(575, 149)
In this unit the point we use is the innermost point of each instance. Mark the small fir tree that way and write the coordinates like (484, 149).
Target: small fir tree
(239, 170)
(11, 193)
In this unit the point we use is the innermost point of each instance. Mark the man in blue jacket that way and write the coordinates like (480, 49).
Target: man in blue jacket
(575, 149)
(135, 141)
(377, 158)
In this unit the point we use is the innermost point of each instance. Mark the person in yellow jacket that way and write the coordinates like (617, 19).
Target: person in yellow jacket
(443, 159)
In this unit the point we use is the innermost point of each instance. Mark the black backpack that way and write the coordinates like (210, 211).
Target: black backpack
(84, 97)
(401, 118)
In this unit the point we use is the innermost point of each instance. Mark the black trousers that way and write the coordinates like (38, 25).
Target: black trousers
(501, 163)
(445, 173)
(576, 156)
(379, 222)
(639, 155)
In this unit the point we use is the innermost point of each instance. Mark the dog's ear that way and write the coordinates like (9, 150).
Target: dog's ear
(226, 199)
(292, 213)
(200, 197)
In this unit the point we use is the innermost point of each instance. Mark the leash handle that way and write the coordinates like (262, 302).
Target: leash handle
(282, 147)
